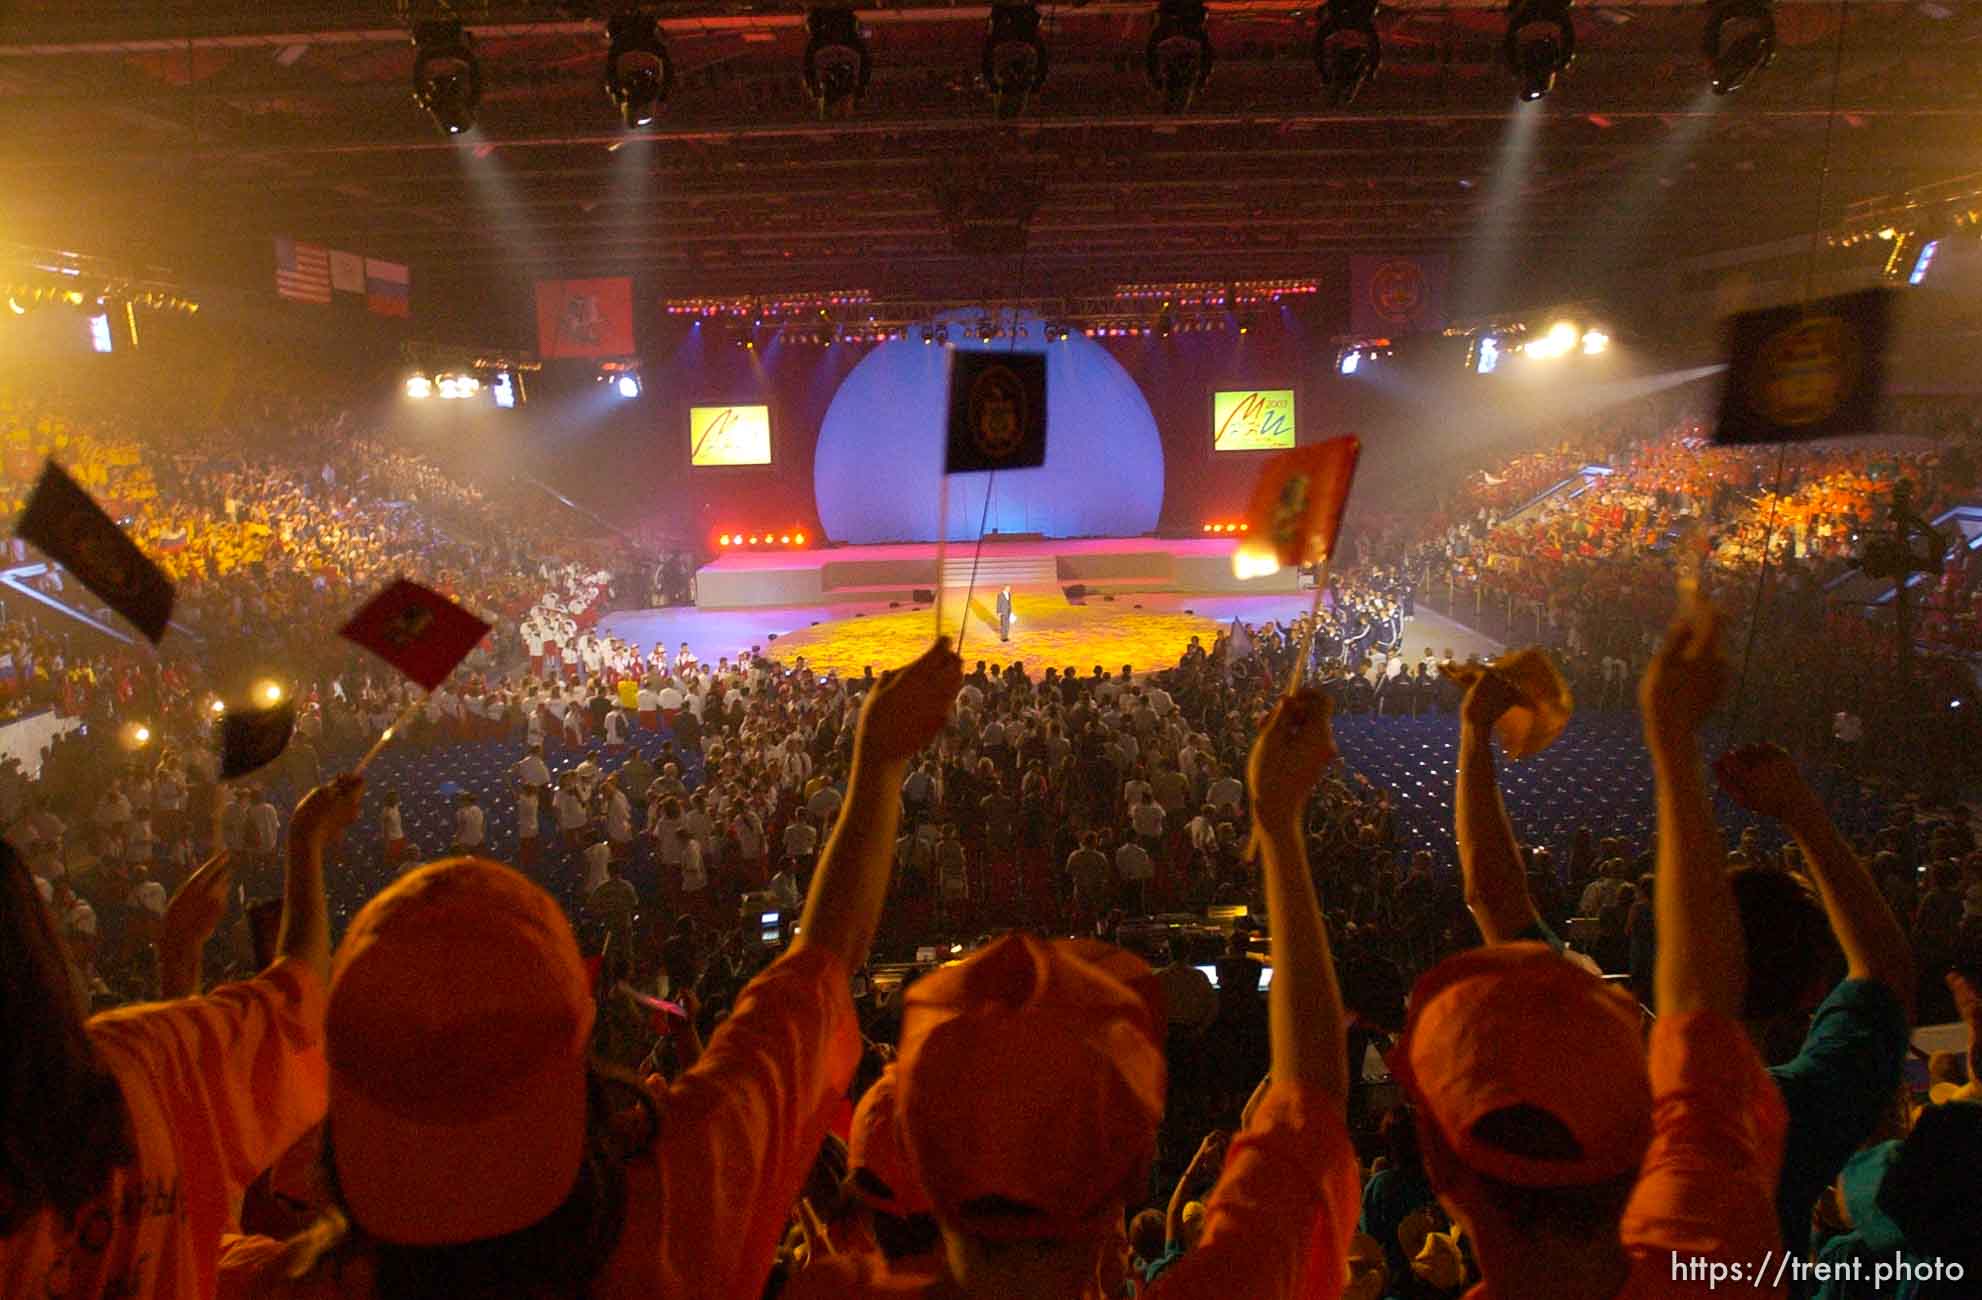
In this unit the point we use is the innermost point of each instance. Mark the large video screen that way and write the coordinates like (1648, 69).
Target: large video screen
(1252, 419)
(729, 435)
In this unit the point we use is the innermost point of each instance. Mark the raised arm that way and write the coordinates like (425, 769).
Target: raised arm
(324, 811)
(1489, 860)
(900, 715)
(1763, 779)
(1304, 1005)
(1209, 1153)
(190, 920)
(1701, 958)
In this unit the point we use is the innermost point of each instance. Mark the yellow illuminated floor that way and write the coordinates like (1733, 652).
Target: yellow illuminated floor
(1048, 632)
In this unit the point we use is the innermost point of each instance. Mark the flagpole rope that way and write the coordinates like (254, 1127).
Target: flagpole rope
(975, 555)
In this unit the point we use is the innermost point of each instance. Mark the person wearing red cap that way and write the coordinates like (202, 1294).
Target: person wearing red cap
(473, 1150)
(1579, 1168)
(127, 1140)
(1031, 1082)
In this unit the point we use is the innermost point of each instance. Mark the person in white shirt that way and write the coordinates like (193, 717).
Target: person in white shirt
(137, 838)
(694, 876)
(648, 705)
(572, 817)
(531, 772)
(169, 797)
(469, 821)
(528, 827)
(619, 819)
(598, 855)
(392, 830)
(264, 830)
(801, 842)
(615, 729)
(669, 698)
(587, 774)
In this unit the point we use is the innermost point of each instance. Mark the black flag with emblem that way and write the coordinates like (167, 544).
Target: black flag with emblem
(72, 529)
(1800, 373)
(253, 738)
(997, 412)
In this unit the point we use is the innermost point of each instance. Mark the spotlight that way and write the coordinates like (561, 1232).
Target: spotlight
(217, 708)
(419, 387)
(1540, 44)
(785, 540)
(1179, 55)
(1014, 58)
(1346, 49)
(723, 540)
(798, 539)
(447, 79)
(1595, 342)
(1351, 361)
(942, 333)
(837, 64)
(639, 73)
(1740, 41)
(1486, 354)
(628, 385)
(268, 692)
(986, 331)
(1164, 325)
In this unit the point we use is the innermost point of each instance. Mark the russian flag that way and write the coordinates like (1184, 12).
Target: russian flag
(388, 288)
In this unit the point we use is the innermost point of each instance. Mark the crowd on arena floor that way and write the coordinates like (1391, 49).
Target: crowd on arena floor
(599, 1074)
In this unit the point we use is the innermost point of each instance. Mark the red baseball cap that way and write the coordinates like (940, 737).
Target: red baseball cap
(457, 1035)
(874, 1149)
(1031, 1084)
(1515, 1024)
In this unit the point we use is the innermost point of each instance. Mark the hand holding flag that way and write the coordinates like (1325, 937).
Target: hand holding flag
(1538, 702)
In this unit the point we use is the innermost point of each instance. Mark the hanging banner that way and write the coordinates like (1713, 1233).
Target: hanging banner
(585, 318)
(1396, 295)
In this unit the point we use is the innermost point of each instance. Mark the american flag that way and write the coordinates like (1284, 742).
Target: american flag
(302, 271)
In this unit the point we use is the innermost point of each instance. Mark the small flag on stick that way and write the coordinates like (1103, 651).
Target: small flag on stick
(1297, 506)
(997, 412)
(420, 632)
(73, 530)
(1800, 373)
(251, 739)
(1544, 703)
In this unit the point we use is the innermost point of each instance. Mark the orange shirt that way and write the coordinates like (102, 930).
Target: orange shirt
(706, 1207)
(216, 1088)
(1706, 1192)
(1293, 1165)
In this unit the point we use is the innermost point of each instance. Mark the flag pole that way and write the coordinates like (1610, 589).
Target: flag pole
(385, 737)
(942, 547)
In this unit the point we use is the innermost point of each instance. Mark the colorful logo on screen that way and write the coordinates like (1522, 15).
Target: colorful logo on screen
(1397, 291)
(729, 435)
(1258, 420)
(997, 413)
(1806, 371)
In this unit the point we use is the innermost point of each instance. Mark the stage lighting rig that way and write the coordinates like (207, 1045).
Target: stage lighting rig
(1014, 58)
(447, 78)
(837, 63)
(639, 73)
(1740, 42)
(1346, 49)
(1179, 54)
(1540, 45)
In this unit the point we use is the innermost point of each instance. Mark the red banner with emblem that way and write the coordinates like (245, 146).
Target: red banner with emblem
(1396, 295)
(585, 318)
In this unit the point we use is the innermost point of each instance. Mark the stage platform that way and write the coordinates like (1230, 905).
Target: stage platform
(867, 575)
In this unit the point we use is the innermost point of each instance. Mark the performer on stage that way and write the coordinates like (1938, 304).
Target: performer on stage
(1005, 614)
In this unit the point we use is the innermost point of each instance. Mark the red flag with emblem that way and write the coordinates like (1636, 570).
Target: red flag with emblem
(1297, 506)
(420, 632)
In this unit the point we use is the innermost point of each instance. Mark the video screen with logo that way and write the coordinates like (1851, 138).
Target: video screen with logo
(1252, 419)
(729, 435)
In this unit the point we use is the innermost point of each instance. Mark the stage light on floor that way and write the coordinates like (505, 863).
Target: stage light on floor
(785, 540)
(723, 540)
(447, 78)
(1540, 44)
(798, 539)
(1740, 42)
(1178, 57)
(639, 73)
(1014, 58)
(1346, 49)
(837, 63)
(419, 387)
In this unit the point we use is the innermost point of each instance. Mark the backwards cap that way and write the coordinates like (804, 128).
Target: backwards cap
(1029, 1077)
(457, 1032)
(1515, 1024)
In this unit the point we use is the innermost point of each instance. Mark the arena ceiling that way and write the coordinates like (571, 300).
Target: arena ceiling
(200, 126)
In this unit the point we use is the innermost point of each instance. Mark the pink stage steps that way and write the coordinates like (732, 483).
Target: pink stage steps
(872, 574)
